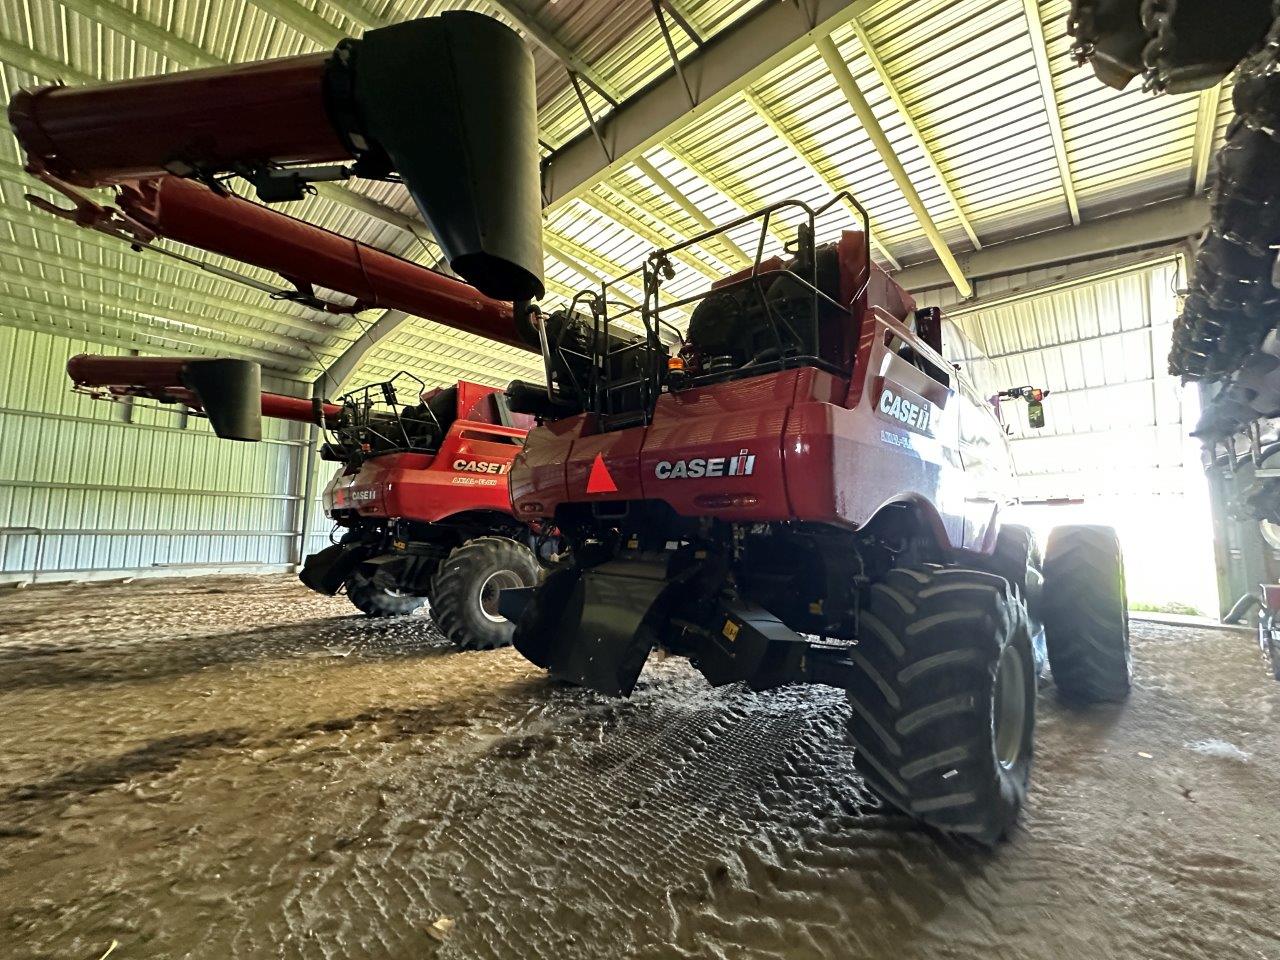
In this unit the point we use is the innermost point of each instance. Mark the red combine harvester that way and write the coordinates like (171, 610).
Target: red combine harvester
(421, 494)
(807, 491)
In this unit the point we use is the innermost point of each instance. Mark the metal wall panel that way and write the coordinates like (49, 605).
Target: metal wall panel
(110, 496)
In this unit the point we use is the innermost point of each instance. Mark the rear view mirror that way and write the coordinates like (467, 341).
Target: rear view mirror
(1035, 403)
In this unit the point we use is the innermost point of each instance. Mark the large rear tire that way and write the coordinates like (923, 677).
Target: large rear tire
(375, 601)
(1086, 614)
(943, 712)
(464, 591)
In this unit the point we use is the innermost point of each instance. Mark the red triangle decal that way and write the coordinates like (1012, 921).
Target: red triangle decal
(600, 481)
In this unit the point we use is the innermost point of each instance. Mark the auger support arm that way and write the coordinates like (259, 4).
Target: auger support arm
(446, 102)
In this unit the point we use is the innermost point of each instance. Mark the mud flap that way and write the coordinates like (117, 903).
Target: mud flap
(596, 627)
(326, 571)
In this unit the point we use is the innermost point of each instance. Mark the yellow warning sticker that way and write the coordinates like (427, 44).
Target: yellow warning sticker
(730, 630)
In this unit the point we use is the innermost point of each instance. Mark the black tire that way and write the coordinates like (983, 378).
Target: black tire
(464, 590)
(375, 601)
(1268, 641)
(1016, 552)
(1085, 610)
(943, 713)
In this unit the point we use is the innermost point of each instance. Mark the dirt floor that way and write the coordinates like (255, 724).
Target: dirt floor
(237, 768)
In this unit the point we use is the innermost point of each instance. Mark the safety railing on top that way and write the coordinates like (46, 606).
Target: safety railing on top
(623, 393)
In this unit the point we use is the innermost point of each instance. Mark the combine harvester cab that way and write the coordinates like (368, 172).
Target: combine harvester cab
(808, 490)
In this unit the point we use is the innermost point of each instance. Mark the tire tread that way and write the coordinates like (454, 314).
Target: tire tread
(1085, 613)
(921, 709)
(454, 582)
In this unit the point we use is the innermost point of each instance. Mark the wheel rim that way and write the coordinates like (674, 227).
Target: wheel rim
(490, 589)
(1010, 707)
(1270, 533)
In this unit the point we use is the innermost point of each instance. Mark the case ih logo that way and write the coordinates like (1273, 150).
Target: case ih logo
(912, 410)
(743, 465)
(480, 466)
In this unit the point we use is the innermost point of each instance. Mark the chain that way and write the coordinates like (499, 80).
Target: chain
(1082, 26)
(1157, 20)
(1232, 303)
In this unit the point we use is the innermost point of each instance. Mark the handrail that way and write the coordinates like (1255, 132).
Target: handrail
(657, 266)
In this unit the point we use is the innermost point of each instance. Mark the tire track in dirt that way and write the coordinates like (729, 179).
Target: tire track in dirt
(249, 771)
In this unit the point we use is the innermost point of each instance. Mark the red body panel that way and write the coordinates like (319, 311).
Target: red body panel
(268, 112)
(824, 449)
(468, 472)
(191, 213)
(743, 418)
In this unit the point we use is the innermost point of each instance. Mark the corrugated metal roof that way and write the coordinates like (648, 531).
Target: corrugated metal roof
(965, 71)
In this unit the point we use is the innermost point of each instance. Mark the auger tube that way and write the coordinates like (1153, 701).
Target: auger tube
(447, 103)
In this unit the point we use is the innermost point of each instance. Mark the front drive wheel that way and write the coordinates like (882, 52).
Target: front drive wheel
(1086, 614)
(943, 709)
(375, 601)
(464, 591)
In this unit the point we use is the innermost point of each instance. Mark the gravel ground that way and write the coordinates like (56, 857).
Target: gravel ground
(235, 767)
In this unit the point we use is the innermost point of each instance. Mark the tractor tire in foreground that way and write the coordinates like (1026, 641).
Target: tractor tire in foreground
(943, 712)
(1086, 614)
(376, 601)
(464, 591)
